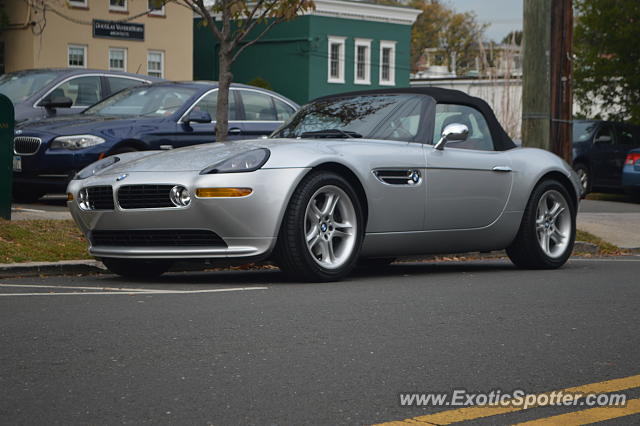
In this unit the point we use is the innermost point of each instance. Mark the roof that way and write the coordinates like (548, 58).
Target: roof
(501, 140)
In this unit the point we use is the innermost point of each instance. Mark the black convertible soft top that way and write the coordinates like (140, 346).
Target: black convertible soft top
(501, 140)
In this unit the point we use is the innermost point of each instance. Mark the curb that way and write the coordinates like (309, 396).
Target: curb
(64, 267)
(74, 267)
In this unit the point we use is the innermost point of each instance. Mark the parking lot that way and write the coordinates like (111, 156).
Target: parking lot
(244, 347)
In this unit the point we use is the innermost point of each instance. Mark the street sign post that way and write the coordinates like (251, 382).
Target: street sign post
(7, 118)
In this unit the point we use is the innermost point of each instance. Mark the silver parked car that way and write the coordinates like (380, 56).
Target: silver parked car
(46, 92)
(361, 176)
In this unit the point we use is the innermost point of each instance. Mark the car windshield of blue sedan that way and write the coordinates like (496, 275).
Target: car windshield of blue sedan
(388, 116)
(149, 101)
(19, 86)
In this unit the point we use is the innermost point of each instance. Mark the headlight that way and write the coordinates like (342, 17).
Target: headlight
(94, 168)
(76, 142)
(245, 162)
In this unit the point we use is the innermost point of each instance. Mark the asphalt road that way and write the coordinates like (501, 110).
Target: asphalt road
(83, 350)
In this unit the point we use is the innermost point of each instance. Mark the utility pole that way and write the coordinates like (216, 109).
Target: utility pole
(546, 83)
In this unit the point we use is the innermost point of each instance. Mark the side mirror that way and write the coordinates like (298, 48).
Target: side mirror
(198, 117)
(56, 102)
(453, 132)
(603, 139)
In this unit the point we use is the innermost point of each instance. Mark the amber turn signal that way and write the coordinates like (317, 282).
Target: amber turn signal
(222, 192)
(69, 196)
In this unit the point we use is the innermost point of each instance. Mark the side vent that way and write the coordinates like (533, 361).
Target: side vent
(407, 177)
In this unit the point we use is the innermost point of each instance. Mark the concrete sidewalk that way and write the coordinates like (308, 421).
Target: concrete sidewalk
(615, 222)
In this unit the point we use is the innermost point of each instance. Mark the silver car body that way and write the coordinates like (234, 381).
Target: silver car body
(461, 200)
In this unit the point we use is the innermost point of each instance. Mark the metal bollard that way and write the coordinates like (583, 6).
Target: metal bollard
(7, 121)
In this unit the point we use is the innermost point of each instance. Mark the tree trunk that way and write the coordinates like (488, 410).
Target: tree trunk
(224, 82)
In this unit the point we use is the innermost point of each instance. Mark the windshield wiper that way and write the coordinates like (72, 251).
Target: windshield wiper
(331, 133)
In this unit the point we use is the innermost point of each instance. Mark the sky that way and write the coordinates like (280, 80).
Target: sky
(502, 15)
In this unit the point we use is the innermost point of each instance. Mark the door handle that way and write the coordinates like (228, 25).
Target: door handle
(234, 131)
(503, 169)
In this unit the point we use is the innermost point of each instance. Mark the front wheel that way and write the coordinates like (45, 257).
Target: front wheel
(548, 229)
(322, 230)
(136, 268)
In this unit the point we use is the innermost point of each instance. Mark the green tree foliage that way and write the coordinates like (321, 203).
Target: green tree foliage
(514, 37)
(238, 24)
(457, 34)
(260, 82)
(607, 57)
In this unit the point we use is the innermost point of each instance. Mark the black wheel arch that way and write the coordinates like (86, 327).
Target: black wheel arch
(353, 179)
(136, 144)
(565, 181)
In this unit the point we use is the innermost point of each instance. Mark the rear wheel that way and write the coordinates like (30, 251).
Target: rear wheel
(322, 230)
(136, 268)
(585, 177)
(548, 229)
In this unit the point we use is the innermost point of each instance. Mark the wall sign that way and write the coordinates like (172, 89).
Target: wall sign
(121, 30)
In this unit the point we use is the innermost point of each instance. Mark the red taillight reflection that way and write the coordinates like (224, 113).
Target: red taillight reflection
(632, 158)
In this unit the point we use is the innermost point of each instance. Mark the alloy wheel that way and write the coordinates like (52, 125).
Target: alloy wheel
(330, 227)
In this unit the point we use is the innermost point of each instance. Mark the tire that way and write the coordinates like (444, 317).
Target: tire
(26, 194)
(546, 235)
(586, 180)
(136, 268)
(334, 234)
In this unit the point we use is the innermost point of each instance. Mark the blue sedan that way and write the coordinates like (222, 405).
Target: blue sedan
(631, 173)
(164, 115)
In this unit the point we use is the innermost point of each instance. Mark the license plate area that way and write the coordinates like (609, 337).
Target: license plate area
(17, 163)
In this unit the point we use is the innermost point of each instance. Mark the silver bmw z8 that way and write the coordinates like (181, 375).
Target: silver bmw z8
(357, 177)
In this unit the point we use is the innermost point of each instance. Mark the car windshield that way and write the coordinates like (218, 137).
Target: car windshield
(19, 86)
(149, 101)
(582, 130)
(384, 116)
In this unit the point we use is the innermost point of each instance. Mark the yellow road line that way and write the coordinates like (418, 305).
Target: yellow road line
(589, 416)
(476, 412)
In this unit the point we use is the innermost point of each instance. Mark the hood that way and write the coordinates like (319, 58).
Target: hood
(191, 158)
(77, 124)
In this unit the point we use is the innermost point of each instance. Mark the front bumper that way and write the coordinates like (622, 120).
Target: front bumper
(248, 225)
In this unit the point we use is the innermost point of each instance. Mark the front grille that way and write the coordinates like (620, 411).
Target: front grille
(157, 238)
(26, 145)
(100, 197)
(145, 196)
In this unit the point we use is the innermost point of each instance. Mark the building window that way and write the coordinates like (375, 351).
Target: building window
(362, 58)
(118, 5)
(77, 56)
(78, 3)
(155, 64)
(336, 59)
(156, 7)
(387, 63)
(117, 59)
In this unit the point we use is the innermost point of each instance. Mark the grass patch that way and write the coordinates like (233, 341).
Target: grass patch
(603, 246)
(41, 241)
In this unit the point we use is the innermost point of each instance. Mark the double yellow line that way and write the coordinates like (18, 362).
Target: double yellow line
(582, 417)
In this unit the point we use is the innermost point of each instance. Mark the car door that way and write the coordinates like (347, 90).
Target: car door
(197, 133)
(604, 157)
(83, 91)
(468, 183)
(262, 113)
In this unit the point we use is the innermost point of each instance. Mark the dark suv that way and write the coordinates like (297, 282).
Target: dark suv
(599, 151)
